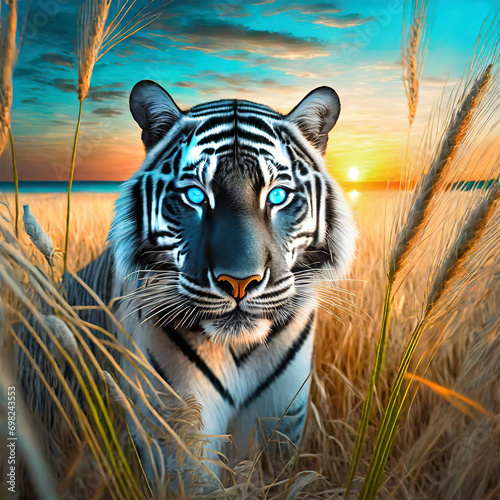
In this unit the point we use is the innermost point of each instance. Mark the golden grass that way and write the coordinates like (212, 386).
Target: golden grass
(435, 435)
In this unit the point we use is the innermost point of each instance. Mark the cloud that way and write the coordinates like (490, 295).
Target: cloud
(301, 74)
(63, 84)
(125, 52)
(298, 68)
(98, 95)
(227, 9)
(20, 71)
(304, 8)
(30, 100)
(345, 21)
(185, 85)
(240, 55)
(54, 59)
(235, 80)
(63, 122)
(325, 14)
(215, 36)
(58, 30)
(439, 82)
(250, 86)
(148, 42)
(382, 66)
(108, 112)
(252, 60)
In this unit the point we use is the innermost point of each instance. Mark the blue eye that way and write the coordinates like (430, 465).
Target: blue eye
(277, 196)
(195, 195)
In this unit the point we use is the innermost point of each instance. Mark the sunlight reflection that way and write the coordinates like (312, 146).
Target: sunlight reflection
(353, 195)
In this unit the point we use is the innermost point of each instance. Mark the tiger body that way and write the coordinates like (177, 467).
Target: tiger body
(218, 288)
(236, 385)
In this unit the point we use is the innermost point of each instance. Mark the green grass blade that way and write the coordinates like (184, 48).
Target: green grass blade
(70, 185)
(375, 377)
(389, 426)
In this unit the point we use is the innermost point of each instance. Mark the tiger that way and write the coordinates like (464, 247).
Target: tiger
(218, 241)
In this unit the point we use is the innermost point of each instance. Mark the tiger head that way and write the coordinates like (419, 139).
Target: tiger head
(232, 214)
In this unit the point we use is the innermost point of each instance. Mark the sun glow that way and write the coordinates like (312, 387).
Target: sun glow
(353, 173)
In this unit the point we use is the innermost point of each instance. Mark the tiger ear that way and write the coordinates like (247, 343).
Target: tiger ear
(154, 110)
(316, 115)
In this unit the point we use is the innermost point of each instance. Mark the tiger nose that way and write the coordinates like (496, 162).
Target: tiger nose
(238, 286)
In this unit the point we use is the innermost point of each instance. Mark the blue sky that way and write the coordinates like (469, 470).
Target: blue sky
(268, 51)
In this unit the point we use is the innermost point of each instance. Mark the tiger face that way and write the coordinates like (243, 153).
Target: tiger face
(232, 214)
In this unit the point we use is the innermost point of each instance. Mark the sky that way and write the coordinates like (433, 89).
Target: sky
(269, 51)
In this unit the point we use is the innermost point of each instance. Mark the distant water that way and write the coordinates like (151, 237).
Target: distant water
(113, 187)
(62, 187)
(472, 185)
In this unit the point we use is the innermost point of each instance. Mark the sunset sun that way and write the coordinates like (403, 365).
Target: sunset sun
(353, 173)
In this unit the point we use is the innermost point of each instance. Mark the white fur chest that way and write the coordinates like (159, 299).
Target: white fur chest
(228, 380)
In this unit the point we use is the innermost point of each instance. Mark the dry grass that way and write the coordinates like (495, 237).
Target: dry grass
(439, 446)
(413, 216)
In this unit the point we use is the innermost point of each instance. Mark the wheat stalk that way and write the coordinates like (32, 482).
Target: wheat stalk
(38, 236)
(413, 56)
(96, 37)
(7, 59)
(430, 183)
(472, 231)
(8, 54)
(91, 25)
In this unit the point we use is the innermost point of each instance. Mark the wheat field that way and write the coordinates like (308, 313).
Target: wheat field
(448, 446)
